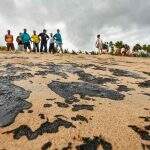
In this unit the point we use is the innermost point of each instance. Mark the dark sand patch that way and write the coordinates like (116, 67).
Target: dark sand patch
(93, 66)
(144, 135)
(46, 146)
(146, 119)
(21, 76)
(147, 94)
(147, 127)
(145, 147)
(47, 105)
(30, 111)
(51, 68)
(51, 99)
(68, 90)
(94, 144)
(68, 147)
(123, 88)
(145, 84)
(11, 69)
(125, 73)
(147, 73)
(62, 105)
(79, 118)
(42, 116)
(47, 127)
(15, 57)
(82, 107)
(86, 77)
(12, 102)
(60, 116)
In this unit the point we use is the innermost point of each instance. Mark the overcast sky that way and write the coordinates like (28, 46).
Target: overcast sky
(79, 20)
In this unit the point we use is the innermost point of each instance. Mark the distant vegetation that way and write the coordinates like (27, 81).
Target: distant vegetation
(3, 48)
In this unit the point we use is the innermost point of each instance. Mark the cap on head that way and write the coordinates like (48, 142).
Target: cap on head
(44, 31)
(98, 36)
(25, 30)
(8, 31)
(58, 30)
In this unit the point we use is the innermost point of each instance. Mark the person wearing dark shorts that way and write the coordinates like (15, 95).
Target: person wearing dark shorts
(20, 43)
(9, 41)
(44, 38)
(52, 45)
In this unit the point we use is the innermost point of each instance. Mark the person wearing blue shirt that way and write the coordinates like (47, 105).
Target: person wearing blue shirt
(25, 37)
(58, 40)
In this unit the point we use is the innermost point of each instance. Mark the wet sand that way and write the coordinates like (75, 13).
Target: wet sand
(74, 102)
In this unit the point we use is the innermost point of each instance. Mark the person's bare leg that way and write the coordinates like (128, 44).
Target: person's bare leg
(100, 51)
(61, 49)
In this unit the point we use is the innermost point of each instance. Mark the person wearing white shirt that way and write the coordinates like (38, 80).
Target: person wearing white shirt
(52, 45)
(99, 44)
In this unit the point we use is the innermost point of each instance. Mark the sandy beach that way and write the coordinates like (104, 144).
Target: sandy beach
(65, 102)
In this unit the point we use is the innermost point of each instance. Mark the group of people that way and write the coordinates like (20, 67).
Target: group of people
(107, 48)
(39, 41)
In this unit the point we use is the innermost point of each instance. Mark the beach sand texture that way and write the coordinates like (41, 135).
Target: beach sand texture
(74, 102)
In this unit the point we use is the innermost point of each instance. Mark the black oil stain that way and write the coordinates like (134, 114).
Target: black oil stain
(144, 135)
(51, 99)
(145, 147)
(69, 89)
(11, 69)
(60, 116)
(47, 105)
(79, 118)
(147, 127)
(13, 101)
(46, 146)
(125, 73)
(146, 119)
(86, 77)
(31, 82)
(87, 98)
(47, 127)
(123, 88)
(93, 144)
(147, 94)
(51, 68)
(82, 107)
(95, 67)
(145, 84)
(30, 111)
(42, 116)
(69, 147)
(147, 73)
(62, 105)
(21, 76)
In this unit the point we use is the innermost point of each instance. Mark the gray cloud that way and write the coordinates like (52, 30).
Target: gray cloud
(126, 20)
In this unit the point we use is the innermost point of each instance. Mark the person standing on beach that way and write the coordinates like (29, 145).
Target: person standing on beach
(9, 41)
(25, 37)
(99, 44)
(36, 40)
(52, 44)
(58, 40)
(44, 39)
(20, 43)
